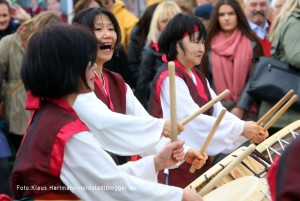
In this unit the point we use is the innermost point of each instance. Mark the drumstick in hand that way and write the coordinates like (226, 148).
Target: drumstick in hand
(173, 114)
(275, 107)
(280, 112)
(206, 107)
(210, 135)
(206, 189)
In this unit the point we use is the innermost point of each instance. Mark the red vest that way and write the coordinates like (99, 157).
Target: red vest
(116, 93)
(180, 177)
(266, 44)
(115, 100)
(39, 160)
(154, 103)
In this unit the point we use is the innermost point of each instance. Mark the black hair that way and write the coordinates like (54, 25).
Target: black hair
(174, 31)
(87, 17)
(56, 59)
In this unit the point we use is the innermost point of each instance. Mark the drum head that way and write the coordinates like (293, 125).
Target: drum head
(247, 188)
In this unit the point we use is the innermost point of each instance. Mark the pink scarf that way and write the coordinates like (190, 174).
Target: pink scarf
(231, 60)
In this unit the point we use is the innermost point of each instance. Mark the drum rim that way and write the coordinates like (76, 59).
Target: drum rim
(257, 190)
(280, 134)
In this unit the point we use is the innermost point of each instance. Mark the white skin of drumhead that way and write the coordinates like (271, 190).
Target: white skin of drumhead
(245, 189)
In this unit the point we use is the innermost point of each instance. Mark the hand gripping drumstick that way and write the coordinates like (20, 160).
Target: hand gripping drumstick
(173, 114)
(205, 107)
(210, 135)
(280, 112)
(206, 189)
(275, 107)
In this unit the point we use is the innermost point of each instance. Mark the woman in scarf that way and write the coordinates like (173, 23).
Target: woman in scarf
(232, 50)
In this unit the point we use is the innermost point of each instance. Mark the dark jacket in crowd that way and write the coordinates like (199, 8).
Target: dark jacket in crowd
(150, 63)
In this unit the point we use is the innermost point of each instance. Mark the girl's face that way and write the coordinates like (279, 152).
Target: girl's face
(89, 76)
(162, 23)
(105, 33)
(194, 51)
(227, 18)
(53, 5)
(4, 17)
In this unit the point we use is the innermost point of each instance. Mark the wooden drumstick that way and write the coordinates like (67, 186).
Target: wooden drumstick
(173, 114)
(275, 107)
(206, 189)
(205, 107)
(210, 135)
(280, 112)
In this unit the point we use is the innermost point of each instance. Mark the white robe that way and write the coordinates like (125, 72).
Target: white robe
(134, 133)
(228, 135)
(118, 133)
(91, 174)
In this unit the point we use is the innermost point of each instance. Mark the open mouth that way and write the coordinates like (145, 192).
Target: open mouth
(105, 47)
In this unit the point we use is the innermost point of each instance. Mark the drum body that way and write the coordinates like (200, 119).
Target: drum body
(252, 165)
(255, 164)
(247, 188)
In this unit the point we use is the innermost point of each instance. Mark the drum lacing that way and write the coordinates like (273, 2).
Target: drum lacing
(281, 143)
(256, 155)
(294, 134)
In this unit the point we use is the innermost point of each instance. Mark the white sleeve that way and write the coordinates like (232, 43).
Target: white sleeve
(118, 133)
(133, 106)
(91, 174)
(228, 135)
(158, 147)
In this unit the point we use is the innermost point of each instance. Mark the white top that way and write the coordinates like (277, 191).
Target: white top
(134, 133)
(91, 174)
(228, 135)
(118, 133)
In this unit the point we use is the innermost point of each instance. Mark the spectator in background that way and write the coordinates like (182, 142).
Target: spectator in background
(5, 19)
(35, 8)
(200, 2)
(82, 4)
(257, 12)
(126, 19)
(184, 6)
(203, 12)
(138, 39)
(284, 34)
(231, 48)
(12, 48)
(54, 6)
(5, 153)
(276, 7)
(150, 2)
(119, 62)
(8, 15)
(151, 58)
